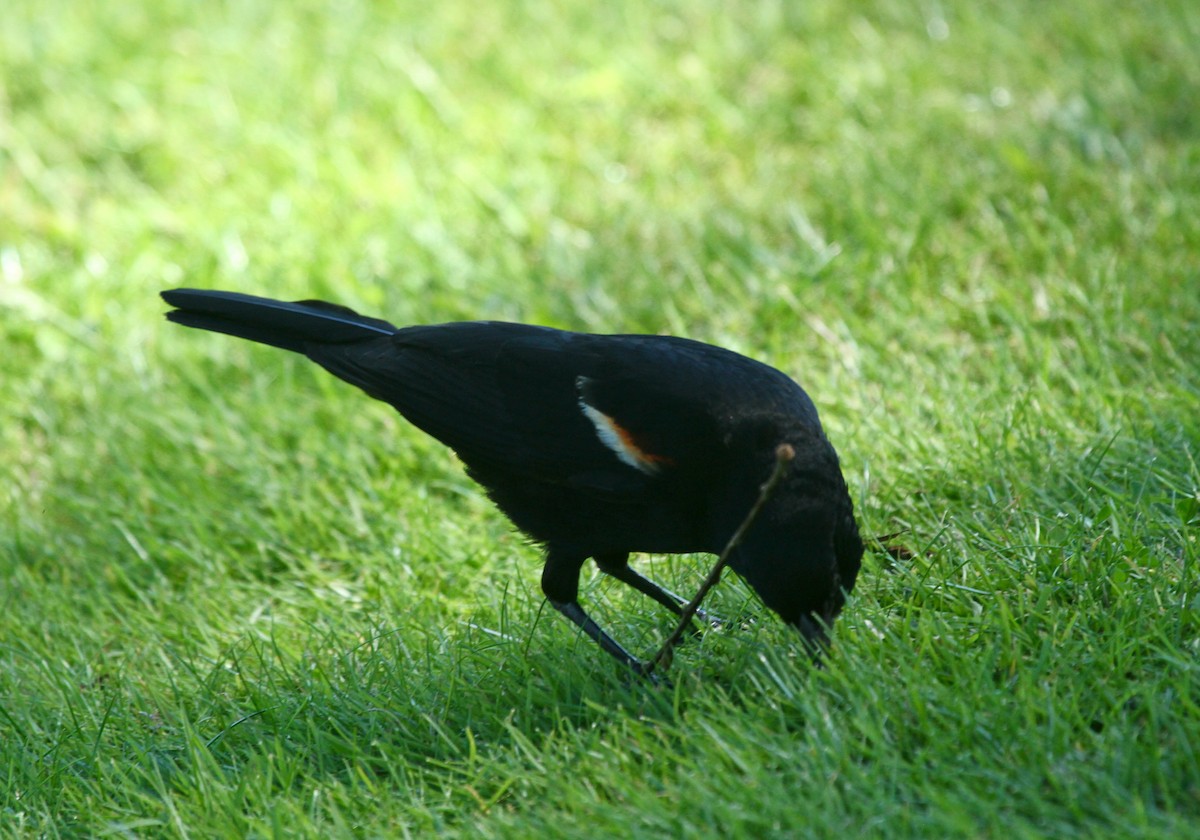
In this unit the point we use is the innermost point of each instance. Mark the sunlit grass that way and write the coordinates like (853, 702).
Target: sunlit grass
(241, 599)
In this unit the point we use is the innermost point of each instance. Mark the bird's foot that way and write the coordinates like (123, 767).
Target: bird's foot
(713, 621)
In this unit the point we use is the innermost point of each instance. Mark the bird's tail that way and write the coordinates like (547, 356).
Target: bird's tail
(291, 326)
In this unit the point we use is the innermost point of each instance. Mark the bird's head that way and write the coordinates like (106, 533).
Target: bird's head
(802, 554)
(802, 573)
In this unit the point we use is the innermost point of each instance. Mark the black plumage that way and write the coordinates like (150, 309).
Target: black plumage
(598, 446)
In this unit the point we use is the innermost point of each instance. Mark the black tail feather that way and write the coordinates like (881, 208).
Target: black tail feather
(280, 324)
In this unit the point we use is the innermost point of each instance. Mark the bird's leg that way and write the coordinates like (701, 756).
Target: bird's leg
(617, 566)
(560, 583)
(573, 611)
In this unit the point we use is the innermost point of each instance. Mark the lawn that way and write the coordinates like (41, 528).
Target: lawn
(239, 598)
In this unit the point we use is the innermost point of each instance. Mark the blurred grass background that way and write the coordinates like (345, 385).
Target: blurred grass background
(240, 599)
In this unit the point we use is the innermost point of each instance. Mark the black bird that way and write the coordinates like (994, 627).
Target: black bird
(598, 445)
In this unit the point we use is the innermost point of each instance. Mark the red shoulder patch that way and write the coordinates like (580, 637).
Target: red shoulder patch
(623, 443)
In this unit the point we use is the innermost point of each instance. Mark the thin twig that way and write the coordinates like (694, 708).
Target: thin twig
(784, 454)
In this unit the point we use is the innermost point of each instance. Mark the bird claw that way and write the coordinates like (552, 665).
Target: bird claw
(713, 621)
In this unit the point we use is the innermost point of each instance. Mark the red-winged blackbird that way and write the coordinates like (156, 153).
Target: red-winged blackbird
(598, 445)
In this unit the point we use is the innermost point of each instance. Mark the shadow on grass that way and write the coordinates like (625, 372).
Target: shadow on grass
(461, 712)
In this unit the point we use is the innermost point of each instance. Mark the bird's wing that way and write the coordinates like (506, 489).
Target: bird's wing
(656, 405)
(597, 415)
(503, 396)
(606, 413)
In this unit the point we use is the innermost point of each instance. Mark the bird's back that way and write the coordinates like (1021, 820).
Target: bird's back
(615, 438)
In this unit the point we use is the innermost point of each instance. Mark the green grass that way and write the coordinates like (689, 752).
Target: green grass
(241, 599)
